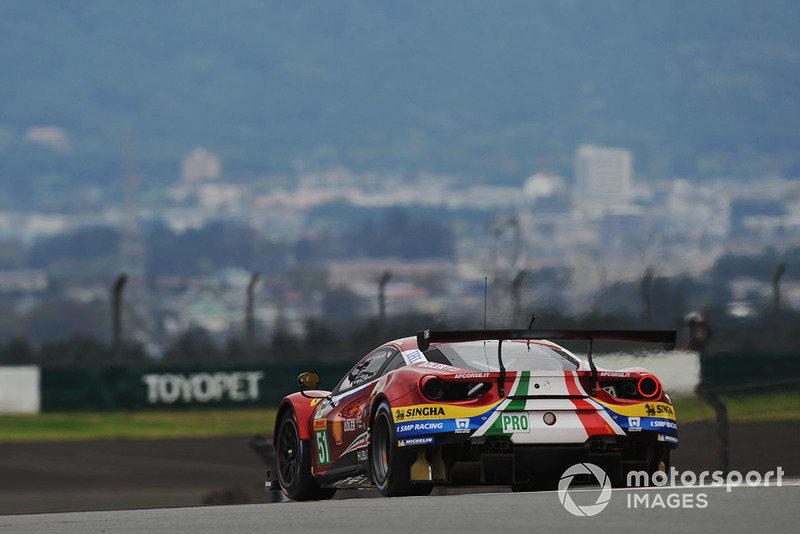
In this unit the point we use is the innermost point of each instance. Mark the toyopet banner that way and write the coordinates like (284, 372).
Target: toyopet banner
(133, 388)
(126, 388)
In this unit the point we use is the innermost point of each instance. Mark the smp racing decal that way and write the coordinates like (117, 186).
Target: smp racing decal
(425, 427)
(432, 419)
(636, 424)
(460, 425)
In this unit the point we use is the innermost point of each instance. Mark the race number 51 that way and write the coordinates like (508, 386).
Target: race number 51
(323, 453)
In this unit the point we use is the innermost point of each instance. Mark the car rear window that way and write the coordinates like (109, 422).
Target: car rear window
(517, 356)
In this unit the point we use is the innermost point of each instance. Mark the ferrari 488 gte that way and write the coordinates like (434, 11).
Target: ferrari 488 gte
(482, 407)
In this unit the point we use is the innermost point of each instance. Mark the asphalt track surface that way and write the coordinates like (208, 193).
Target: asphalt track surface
(162, 486)
(747, 509)
(133, 474)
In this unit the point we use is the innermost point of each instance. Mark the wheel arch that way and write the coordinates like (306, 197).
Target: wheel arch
(374, 407)
(304, 409)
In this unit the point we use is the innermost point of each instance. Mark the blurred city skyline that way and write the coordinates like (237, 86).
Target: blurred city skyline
(564, 153)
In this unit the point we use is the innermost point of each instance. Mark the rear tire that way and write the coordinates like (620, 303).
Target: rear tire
(294, 463)
(391, 465)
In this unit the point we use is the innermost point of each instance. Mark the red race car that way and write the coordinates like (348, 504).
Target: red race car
(494, 407)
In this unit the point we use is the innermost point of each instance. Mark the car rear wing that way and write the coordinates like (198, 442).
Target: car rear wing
(666, 337)
(426, 337)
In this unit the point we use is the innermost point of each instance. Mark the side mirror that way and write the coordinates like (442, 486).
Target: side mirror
(309, 380)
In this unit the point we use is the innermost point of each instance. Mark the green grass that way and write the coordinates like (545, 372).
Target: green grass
(134, 425)
(741, 409)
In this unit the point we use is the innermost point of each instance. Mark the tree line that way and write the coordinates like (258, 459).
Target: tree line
(348, 341)
(94, 251)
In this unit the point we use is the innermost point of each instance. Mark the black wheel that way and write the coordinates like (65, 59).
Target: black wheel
(391, 465)
(294, 463)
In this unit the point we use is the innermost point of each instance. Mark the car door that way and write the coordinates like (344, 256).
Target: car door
(341, 425)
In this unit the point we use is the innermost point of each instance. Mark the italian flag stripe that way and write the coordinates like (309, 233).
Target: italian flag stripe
(521, 389)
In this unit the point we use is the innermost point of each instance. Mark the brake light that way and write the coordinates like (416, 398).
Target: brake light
(641, 386)
(648, 386)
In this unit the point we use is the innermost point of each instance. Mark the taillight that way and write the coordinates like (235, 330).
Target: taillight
(648, 386)
(640, 387)
(432, 387)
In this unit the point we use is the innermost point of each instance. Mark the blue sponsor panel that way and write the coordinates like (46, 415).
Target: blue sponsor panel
(636, 424)
(664, 426)
(651, 422)
(463, 425)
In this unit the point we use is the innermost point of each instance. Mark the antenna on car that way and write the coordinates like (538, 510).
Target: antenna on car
(593, 367)
(530, 326)
(485, 298)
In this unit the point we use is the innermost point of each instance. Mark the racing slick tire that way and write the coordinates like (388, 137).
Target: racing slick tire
(391, 465)
(294, 463)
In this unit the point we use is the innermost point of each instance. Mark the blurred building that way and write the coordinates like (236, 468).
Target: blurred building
(603, 178)
(544, 186)
(198, 167)
(200, 164)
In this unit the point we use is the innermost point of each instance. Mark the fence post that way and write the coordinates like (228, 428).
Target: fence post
(705, 393)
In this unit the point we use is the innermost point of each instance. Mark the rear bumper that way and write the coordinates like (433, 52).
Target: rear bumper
(496, 460)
